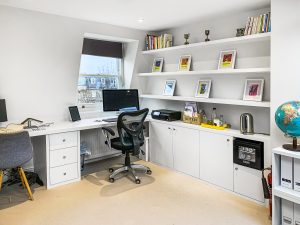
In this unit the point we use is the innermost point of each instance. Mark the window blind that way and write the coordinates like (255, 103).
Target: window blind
(102, 48)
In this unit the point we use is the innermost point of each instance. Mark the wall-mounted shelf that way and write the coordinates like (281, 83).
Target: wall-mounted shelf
(247, 71)
(209, 100)
(234, 40)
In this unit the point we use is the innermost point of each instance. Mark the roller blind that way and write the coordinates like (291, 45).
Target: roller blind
(102, 48)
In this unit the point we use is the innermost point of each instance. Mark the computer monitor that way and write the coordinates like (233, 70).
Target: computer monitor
(3, 114)
(115, 100)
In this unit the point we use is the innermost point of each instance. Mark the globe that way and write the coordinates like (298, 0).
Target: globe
(287, 118)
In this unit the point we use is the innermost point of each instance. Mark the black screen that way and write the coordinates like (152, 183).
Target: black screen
(3, 115)
(75, 116)
(114, 100)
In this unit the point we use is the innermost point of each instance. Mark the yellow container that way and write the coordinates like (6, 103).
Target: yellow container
(212, 126)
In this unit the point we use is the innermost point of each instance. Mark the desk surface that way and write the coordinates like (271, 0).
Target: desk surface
(67, 126)
(60, 127)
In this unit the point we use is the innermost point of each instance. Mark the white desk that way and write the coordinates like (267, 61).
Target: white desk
(57, 149)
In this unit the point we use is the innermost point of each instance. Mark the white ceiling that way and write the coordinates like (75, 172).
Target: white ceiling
(157, 14)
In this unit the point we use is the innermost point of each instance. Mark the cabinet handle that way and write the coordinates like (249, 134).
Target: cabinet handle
(236, 168)
(174, 129)
(65, 173)
(169, 128)
(228, 140)
(64, 140)
(64, 157)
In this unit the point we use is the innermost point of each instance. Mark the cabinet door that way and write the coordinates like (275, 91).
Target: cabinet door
(216, 159)
(160, 144)
(247, 182)
(186, 150)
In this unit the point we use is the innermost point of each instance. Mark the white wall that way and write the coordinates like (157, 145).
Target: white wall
(285, 48)
(40, 58)
(230, 87)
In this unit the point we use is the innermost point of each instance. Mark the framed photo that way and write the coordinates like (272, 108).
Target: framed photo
(185, 63)
(227, 59)
(157, 65)
(169, 87)
(253, 90)
(203, 89)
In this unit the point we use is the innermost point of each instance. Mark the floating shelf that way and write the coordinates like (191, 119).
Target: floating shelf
(208, 72)
(234, 40)
(209, 100)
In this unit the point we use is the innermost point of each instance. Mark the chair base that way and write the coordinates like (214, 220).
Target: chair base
(131, 169)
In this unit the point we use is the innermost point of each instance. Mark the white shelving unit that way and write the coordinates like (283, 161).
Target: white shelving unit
(209, 100)
(278, 191)
(248, 71)
(233, 41)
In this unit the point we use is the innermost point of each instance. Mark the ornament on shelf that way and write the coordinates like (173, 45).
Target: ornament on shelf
(240, 32)
(186, 37)
(207, 33)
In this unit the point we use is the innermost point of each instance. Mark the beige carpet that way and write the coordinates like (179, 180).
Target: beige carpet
(164, 198)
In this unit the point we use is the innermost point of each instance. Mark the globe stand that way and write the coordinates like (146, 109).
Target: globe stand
(292, 147)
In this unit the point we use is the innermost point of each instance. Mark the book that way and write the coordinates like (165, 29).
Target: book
(158, 41)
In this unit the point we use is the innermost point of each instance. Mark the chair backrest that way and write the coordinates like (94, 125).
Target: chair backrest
(130, 128)
(15, 149)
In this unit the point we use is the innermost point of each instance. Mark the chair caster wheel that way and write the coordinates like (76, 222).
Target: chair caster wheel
(111, 180)
(149, 172)
(137, 181)
(111, 170)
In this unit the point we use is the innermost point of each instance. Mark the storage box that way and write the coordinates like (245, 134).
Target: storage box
(296, 214)
(197, 119)
(287, 214)
(287, 172)
(297, 175)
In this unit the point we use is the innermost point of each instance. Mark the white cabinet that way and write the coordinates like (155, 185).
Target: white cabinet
(63, 154)
(175, 147)
(161, 144)
(216, 159)
(186, 150)
(247, 182)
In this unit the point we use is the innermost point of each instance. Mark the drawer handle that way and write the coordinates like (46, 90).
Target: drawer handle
(287, 220)
(236, 168)
(64, 157)
(228, 140)
(65, 173)
(64, 140)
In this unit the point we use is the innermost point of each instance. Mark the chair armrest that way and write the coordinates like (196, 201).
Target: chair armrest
(108, 130)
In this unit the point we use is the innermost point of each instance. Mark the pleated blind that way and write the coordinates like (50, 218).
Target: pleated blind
(102, 48)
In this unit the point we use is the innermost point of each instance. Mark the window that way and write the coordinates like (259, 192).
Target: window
(101, 67)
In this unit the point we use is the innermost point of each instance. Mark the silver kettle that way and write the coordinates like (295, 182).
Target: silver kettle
(246, 123)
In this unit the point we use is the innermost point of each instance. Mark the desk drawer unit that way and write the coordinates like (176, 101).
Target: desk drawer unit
(63, 173)
(63, 140)
(64, 156)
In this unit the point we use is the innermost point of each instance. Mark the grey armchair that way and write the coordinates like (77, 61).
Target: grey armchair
(15, 150)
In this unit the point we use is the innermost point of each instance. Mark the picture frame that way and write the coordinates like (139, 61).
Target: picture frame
(253, 90)
(157, 65)
(184, 63)
(169, 88)
(203, 89)
(227, 59)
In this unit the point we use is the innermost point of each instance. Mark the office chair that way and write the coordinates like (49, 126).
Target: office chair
(15, 150)
(131, 138)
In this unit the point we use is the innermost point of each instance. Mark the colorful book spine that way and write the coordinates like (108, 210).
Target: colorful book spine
(259, 24)
(156, 42)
